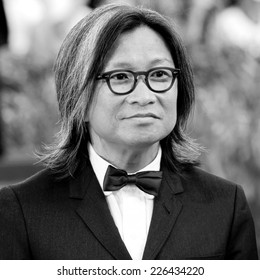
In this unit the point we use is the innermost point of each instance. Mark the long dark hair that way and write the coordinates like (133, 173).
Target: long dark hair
(83, 55)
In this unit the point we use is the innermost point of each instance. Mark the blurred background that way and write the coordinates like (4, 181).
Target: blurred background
(223, 41)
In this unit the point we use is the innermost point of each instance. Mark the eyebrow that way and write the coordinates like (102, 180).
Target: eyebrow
(129, 65)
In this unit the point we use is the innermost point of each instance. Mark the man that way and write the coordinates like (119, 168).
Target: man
(121, 181)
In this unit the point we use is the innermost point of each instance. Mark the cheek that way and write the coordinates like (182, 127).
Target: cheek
(170, 110)
(98, 117)
(102, 114)
(170, 121)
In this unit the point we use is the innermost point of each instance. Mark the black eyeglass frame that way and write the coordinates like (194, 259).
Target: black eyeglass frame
(106, 76)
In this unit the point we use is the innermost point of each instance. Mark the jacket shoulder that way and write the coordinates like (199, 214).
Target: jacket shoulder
(199, 180)
(39, 183)
(205, 177)
(42, 178)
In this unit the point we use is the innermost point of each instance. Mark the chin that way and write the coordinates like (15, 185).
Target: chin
(142, 142)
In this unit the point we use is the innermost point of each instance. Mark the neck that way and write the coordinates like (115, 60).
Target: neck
(127, 158)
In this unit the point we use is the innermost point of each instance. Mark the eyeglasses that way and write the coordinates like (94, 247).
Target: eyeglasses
(158, 79)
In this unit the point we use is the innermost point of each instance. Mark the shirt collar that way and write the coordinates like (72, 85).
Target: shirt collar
(100, 165)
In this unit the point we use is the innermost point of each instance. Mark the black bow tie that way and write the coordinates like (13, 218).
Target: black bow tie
(147, 181)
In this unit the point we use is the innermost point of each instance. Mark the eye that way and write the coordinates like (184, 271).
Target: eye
(160, 74)
(121, 76)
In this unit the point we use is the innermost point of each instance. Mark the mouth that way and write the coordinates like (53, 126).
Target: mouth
(143, 116)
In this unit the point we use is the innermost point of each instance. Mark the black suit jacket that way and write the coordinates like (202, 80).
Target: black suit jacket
(196, 216)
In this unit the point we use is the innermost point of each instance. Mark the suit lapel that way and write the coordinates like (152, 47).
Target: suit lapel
(166, 211)
(94, 212)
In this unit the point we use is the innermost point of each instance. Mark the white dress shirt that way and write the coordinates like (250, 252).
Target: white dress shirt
(130, 207)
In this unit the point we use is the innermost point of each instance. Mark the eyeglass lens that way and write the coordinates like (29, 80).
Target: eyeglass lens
(158, 80)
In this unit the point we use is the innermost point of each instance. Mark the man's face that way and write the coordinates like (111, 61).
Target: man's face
(143, 117)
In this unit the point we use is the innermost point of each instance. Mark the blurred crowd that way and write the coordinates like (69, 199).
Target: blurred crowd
(223, 41)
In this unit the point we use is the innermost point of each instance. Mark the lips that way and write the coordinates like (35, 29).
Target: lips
(143, 115)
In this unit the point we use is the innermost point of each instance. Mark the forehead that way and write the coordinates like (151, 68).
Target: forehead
(140, 46)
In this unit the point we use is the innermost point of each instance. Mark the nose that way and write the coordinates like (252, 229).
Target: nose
(141, 95)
